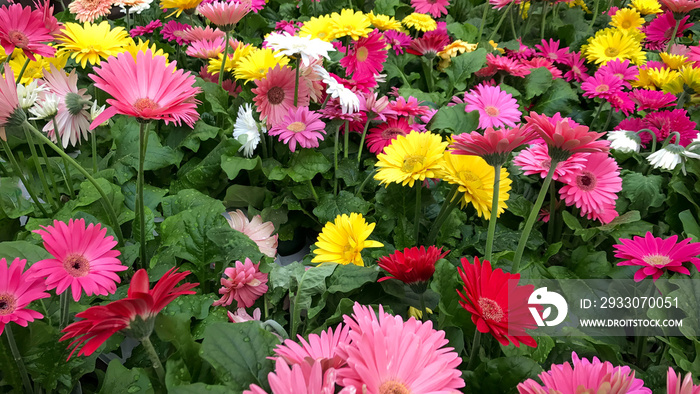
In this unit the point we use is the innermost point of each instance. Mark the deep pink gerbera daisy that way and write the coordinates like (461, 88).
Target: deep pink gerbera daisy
(663, 123)
(674, 385)
(655, 255)
(172, 31)
(322, 348)
(300, 126)
(274, 94)
(381, 136)
(72, 116)
(578, 69)
(410, 107)
(550, 50)
(522, 53)
(388, 355)
(494, 145)
(366, 56)
(24, 28)
(652, 99)
(308, 378)
(594, 186)
(398, 40)
(621, 102)
(603, 85)
(502, 63)
(245, 284)
(147, 88)
(428, 45)
(660, 29)
(497, 303)
(538, 61)
(585, 377)
(496, 107)
(436, 8)
(536, 160)
(621, 69)
(564, 137)
(17, 290)
(147, 29)
(83, 259)
(206, 49)
(224, 14)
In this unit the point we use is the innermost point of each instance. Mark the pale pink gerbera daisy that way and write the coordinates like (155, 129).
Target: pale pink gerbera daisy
(206, 49)
(241, 316)
(89, 10)
(323, 348)
(603, 85)
(381, 136)
(9, 101)
(224, 14)
(300, 126)
(197, 33)
(83, 259)
(674, 385)
(494, 145)
(366, 56)
(17, 290)
(24, 28)
(147, 29)
(245, 284)
(436, 8)
(72, 116)
(388, 355)
(496, 107)
(274, 94)
(585, 377)
(256, 230)
(594, 186)
(536, 160)
(151, 90)
(656, 255)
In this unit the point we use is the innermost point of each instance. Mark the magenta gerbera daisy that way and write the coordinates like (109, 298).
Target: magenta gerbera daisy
(663, 123)
(274, 94)
(539, 61)
(594, 186)
(621, 69)
(536, 160)
(147, 29)
(83, 259)
(300, 126)
(652, 99)
(366, 56)
(172, 31)
(496, 107)
(660, 30)
(551, 51)
(397, 40)
(18, 288)
(24, 28)
(603, 85)
(381, 136)
(656, 255)
(436, 8)
(577, 71)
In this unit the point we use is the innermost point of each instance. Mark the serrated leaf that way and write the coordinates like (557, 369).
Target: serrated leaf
(214, 95)
(120, 380)
(643, 191)
(306, 164)
(242, 196)
(463, 66)
(202, 132)
(425, 97)
(184, 200)
(537, 82)
(205, 174)
(311, 282)
(456, 119)
(500, 374)
(347, 278)
(463, 31)
(89, 200)
(558, 98)
(345, 202)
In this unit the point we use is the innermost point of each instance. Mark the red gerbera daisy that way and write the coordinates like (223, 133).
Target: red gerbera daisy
(274, 94)
(413, 266)
(366, 56)
(381, 136)
(24, 28)
(594, 186)
(429, 44)
(655, 255)
(436, 8)
(494, 146)
(497, 304)
(18, 288)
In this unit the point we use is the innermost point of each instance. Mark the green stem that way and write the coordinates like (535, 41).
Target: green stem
(448, 205)
(682, 99)
(105, 201)
(346, 139)
(428, 73)
(512, 25)
(18, 359)
(416, 217)
(64, 299)
(223, 61)
(607, 121)
(533, 215)
(475, 349)
(362, 140)
(500, 21)
(18, 171)
(544, 19)
(597, 113)
(21, 72)
(69, 178)
(487, 6)
(37, 165)
(358, 193)
(423, 309)
(673, 36)
(296, 83)
(335, 154)
(128, 21)
(57, 195)
(552, 211)
(313, 191)
(140, 205)
(263, 142)
(595, 14)
(93, 140)
(155, 360)
(494, 213)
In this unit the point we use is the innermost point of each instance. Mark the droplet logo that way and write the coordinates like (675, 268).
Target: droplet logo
(549, 300)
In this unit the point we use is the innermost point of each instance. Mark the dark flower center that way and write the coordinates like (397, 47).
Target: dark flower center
(19, 39)
(391, 132)
(275, 95)
(8, 304)
(76, 265)
(586, 181)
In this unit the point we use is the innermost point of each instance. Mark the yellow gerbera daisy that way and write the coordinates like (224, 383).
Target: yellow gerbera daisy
(475, 179)
(453, 49)
(343, 240)
(384, 22)
(691, 77)
(349, 23)
(614, 44)
(257, 63)
(133, 48)
(410, 158)
(581, 4)
(35, 69)
(627, 19)
(646, 7)
(524, 8)
(420, 22)
(90, 42)
(317, 28)
(643, 80)
(674, 62)
(233, 59)
(662, 76)
(187, 6)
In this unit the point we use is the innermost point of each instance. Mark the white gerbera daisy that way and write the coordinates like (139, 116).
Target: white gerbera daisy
(45, 107)
(667, 157)
(245, 130)
(624, 141)
(309, 48)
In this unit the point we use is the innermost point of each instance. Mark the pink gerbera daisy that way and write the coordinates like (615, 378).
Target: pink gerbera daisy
(494, 145)
(536, 160)
(206, 49)
(522, 53)
(603, 85)
(24, 28)
(652, 99)
(621, 69)
(428, 45)
(621, 102)
(300, 126)
(366, 56)
(674, 385)
(577, 71)
(680, 6)
(197, 33)
(655, 255)
(72, 116)
(496, 107)
(604, 214)
(256, 230)
(594, 186)
(17, 290)
(660, 29)
(550, 50)
(398, 40)
(436, 8)
(148, 29)
(83, 259)
(89, 10)
(274, 94)
(502, 63)
(663, 123)
(172, 31)
(225, 14)
(585, 377)
(322, 348)
(410, 107)
(538, 61)
(388, 355)
(9, 101)
(245, 284)
(381, 136)
(147, 88)
(300, 378)
(564, 137)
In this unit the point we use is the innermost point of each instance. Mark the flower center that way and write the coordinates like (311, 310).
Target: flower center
(145, 105)
(393, 387)
(602, 88)
(362, 53)
(473, 181)
(490, 310)
(349, 252)
(296, 127)
(626, 24)
(546, 163)
(76, 265)
(391, 133)
(8, 304)
(275, 95)
(611, 52)
(412, 163)
(657, 259)
(18, 39)
(586, 181)
(491, 111)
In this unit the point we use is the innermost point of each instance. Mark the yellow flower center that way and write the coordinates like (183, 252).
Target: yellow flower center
(611, 52)
(657, 259)
(490, 310)
(76, 265)
(393, 387)
(626, 24)
(362, 54)
(412, 163)
(296, 127)
(468, 177)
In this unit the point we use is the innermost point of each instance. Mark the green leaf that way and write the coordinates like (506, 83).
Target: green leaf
(347, 278)
(232, 165)
(24, 250)
(239, 353)
(177, 373)
(241, 196)
(306, 164)
(11, 200)
(349, 172)
(463, 66)
(152, 196)
(205, 174)
(425, 97)
(120, 380)
(186, 199)
(690, 225)
(345, 202)
(558, 98)
(199, 388)
(539, 80)
(386, 7)
(202, 132)
(502, 375)
(312, 282)
(446, 282)
(463, 31)
(214, 95)
(589, 264)
(643, 191)
(175, 328)
(273, 170)
(455, 119)
(90, 201)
